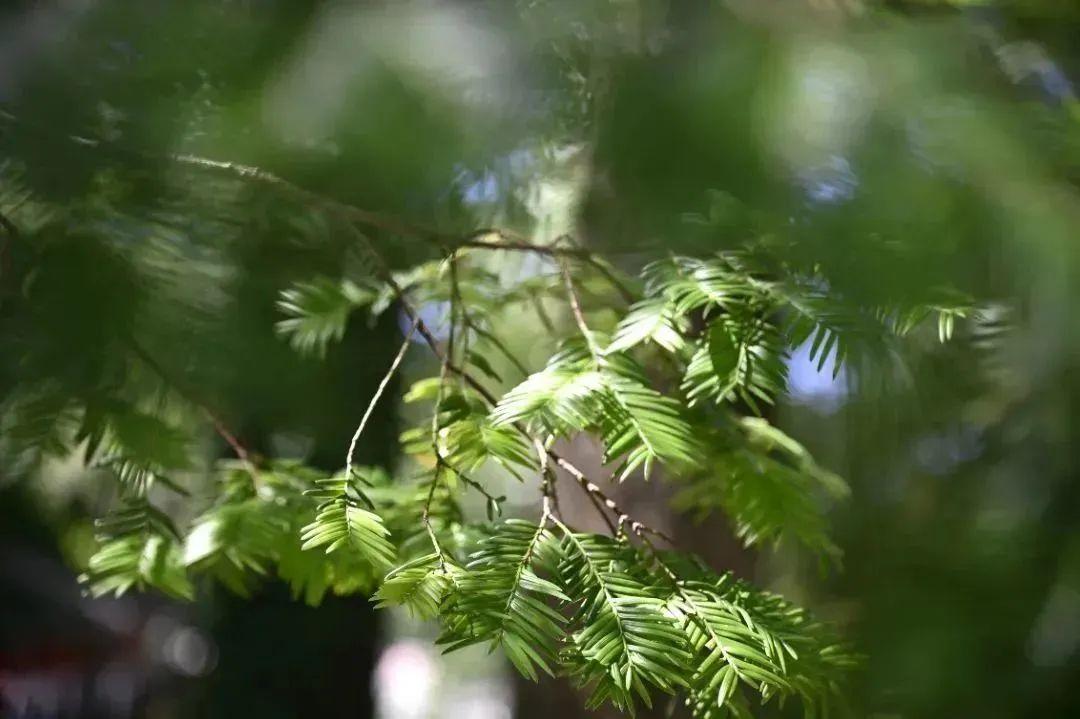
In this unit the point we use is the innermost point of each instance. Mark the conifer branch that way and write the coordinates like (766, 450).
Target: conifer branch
(579, 316)
(516, 243)
(548, 491)
(189, 396)
(594, 492)
(375, 398)
(601, 499)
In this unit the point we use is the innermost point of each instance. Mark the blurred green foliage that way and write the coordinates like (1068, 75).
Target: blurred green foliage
(912, 152)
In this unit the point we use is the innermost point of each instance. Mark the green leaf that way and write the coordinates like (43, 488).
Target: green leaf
(137, 551)
(742, 637)
(642, 426)
(480, 362)
(235, 542)
(469, 436)
(743, 357)
(419, 585)
(577, 392)
(694, 285)
(500, 598)
(650, 320)
(624, 642)
(317, 312)
(769, 487)
(340, 522)
(723, 351)
(562, 398)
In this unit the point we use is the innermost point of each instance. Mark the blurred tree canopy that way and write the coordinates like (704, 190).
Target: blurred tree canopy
(227, 226)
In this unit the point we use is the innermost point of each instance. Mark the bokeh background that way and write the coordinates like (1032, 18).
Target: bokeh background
(904, 145)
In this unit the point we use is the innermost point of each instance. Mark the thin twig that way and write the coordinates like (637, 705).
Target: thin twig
(467, 480)
(222, 430)
(579, 316)
(595, 493)
(522, 246)
(499, 345)
(514, 243)
(467, 320)
(368, 218)
(457, 307)
(511, 240)
(538, 305)
(375, 398)
(443, 371)
(230, 439)
(548, 491)
(598, 264)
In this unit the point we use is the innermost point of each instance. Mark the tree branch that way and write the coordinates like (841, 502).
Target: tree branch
(594, 492)
(579, 316)
(598, 495)
(375, 398)
(222, 430)
(377, 220)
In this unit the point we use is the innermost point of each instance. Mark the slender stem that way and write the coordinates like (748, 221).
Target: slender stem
(375, 398)
(230, 439)
(598, 496)
(467, 320)
(466, 479)
(498, 344)
(515, 243)
(595, 494)
(543, 451)
(538, 305)
(444, 369)
(522, 246)
(579, 315)
(598, 264)
(368, 218)
(457, 307)
(692, 606)
(219, 426)
(598, 505)
(548, 492)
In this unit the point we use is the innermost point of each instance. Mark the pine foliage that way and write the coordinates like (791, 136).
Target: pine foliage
(342, 521)
(419, 585)
(317, 312)
(626, 622)
(653, 320)
(501, 598)
(745, 641)
(677, 380)
(625, 644)
(768, 485)
(522, 346)
(609, 394)
(234, 541)
(140, 548)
